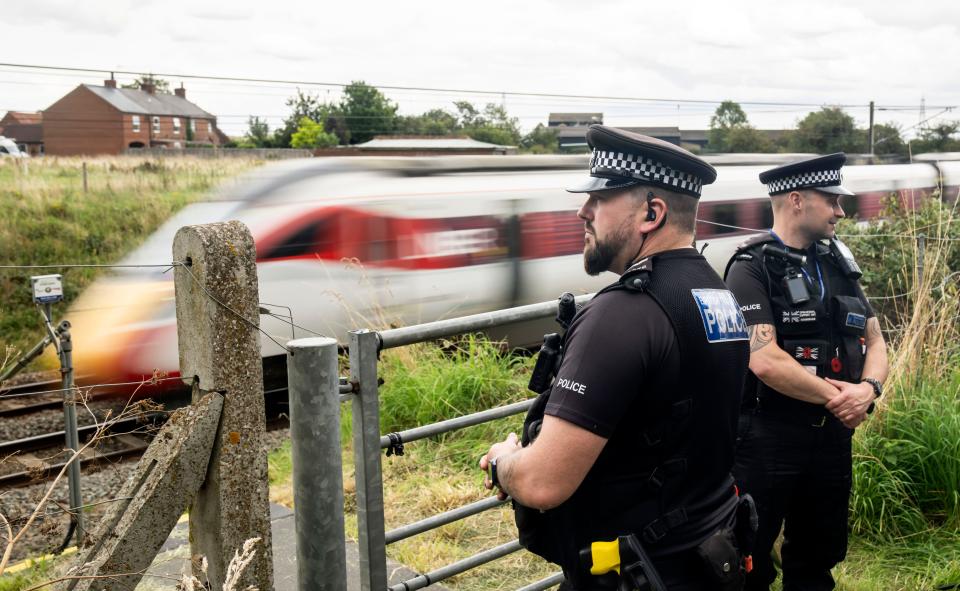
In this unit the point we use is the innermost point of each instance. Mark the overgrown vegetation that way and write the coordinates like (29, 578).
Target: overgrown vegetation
(49, 219)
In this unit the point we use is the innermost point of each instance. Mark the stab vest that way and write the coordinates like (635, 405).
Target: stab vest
(678, 488)
(825, 335)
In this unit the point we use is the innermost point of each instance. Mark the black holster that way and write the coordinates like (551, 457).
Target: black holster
(722, 560)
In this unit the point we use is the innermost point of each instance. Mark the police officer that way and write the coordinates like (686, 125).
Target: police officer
(636, 435)
(817, 363)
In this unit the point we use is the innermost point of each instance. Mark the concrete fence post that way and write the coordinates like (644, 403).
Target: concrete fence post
(314, 387)
(217, 326)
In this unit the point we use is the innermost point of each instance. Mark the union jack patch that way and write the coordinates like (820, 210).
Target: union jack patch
(810, 353)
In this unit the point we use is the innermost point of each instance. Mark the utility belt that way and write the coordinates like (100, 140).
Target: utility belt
(792, 411)
(724, 557)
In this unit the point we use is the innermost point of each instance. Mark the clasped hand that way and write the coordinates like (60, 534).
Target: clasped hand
(851, 404)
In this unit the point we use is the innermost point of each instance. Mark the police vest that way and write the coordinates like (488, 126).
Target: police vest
(824, 334)
(678, 489)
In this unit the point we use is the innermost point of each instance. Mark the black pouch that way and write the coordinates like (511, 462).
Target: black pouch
(537, 528)
(851, 320)
(850, 315)
(721, 559)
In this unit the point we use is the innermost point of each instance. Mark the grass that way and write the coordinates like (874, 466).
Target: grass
(48, 219)
(33, 573)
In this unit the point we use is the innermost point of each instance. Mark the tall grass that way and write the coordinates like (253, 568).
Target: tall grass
(905, 504)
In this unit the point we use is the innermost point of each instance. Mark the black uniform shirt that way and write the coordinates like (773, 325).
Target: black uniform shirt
(749, 283)
(618, 351)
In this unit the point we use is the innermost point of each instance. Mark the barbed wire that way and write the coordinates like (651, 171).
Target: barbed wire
(143, 382)
(243, 319)
(288, 319)
(892, 297)
(69, 510)
(91, 265)
(844, 235)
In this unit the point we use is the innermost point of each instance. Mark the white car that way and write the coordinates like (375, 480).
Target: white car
(9, 148)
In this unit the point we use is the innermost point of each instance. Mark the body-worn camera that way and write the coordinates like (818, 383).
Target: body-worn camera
(794, 284)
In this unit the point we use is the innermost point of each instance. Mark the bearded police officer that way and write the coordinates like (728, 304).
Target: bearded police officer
(817, 363)
(636, 435)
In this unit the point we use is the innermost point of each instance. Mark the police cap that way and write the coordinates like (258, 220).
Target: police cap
(622, 158)
(821, 173)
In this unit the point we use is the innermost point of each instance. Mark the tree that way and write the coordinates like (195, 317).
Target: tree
(311, 134)
(433, 122)
(730, 131)
(493, 125)
(940, 138)
(828, 130)
(746, 139)
(888, 140)
(160, 85)
(258, 133)
(542, 140)
(367, 112)
(302, 105)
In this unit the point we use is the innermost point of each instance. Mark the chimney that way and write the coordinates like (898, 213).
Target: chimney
(180, 92)
(111, 83)
(148, 88)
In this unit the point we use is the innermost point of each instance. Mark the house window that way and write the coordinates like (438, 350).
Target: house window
(193, 125)
(136, 123)
(176, 126)
(156, 125)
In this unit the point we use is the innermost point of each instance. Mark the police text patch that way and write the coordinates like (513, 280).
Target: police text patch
(721, 315)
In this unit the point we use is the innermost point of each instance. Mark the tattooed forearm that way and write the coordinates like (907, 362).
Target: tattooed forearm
(760, 336)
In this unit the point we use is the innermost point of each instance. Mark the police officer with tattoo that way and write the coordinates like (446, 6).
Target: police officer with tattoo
(633, 444)
(817, 364)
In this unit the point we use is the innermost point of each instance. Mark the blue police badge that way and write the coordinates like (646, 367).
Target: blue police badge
(855, 320)
(721, 315)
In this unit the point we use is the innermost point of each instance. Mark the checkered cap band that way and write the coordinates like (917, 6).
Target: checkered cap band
(805, 180)
(644, 169)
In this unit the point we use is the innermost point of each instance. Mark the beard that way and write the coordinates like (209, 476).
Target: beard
(599, 257)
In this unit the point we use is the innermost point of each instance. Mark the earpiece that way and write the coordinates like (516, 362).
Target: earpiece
(651, 215)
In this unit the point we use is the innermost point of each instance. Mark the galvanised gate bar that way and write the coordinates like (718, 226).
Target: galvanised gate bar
(315, 396)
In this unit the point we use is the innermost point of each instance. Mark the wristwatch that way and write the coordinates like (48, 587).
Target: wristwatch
(877, 386)
(877, 392)
(493, 473)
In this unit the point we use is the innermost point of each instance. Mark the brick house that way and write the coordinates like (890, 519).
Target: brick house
(24, 129)
(105, 119)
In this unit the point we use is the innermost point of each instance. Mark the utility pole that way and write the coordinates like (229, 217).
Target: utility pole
(870, 135)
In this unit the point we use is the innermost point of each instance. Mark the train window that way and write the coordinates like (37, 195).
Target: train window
(308, 239)
(850, 205)
(724, 213)
(766, 214)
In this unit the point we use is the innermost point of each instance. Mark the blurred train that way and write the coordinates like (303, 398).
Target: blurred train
(345, 243)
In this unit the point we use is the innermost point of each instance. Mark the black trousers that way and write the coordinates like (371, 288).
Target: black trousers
(799, 474)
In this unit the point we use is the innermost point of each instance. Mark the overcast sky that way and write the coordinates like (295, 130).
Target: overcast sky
(819, 53)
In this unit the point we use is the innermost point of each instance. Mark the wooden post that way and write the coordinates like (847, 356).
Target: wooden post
(217, 326)
(84, 177)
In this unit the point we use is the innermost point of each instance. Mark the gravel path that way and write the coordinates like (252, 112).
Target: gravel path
(98, 488)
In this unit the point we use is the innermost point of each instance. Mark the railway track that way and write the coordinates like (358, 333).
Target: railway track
(27, 460)
(22, 399)
(42, 456)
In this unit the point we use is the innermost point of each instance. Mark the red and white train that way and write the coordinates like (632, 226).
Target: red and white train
(345, 243)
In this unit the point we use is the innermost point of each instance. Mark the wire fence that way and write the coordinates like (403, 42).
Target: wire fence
(288, 319)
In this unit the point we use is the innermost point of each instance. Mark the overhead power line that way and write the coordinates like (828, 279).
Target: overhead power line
(498, 93)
